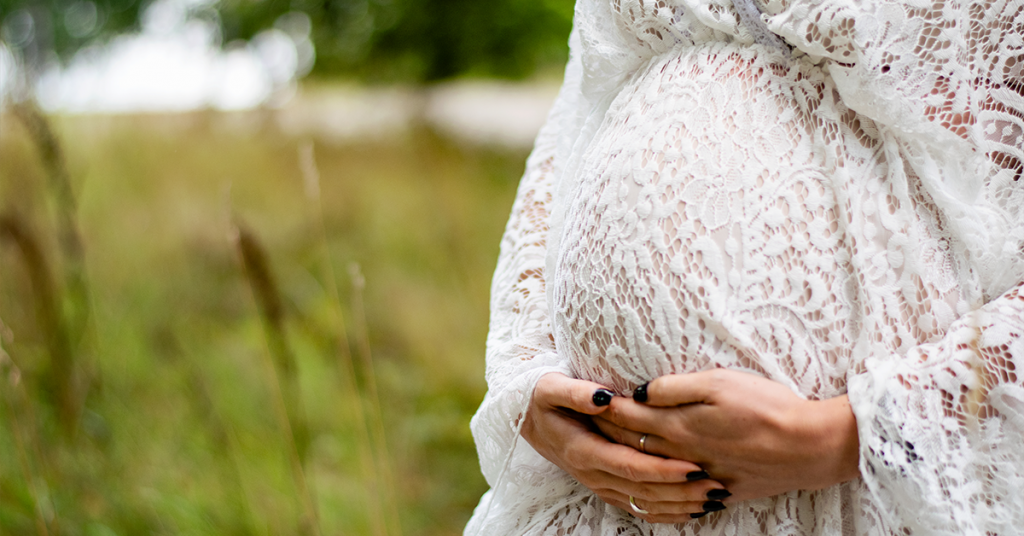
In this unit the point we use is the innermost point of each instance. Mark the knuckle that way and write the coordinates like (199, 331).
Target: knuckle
(630, 473)
(577, 459)
(614, 415)
(646, 491)
(630, 469)
(572, 396)
(633, 468)
(546, 387)
(572, 459)
(718, 381)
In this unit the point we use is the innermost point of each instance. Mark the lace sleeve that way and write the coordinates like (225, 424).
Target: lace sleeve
(912, 65)
(944, 81)
(520, 345)
(942, 429)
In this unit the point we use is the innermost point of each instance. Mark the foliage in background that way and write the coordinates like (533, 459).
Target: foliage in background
(419, 39)
(376, 40)
(38, 28)
(186, 422)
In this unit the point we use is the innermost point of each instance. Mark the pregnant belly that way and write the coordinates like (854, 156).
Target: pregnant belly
(703, 231)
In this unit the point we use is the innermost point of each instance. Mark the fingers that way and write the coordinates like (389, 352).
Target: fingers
(698, 387)
(559, 391)
(681, 389)
(674, 422)
(652, 443)
(662, 511)
(698, 492)
(657, 446)
(597, 453)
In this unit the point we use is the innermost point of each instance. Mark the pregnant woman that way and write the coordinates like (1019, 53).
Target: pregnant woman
(762, 276)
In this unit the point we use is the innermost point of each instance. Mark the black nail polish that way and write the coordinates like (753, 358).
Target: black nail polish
(718, 494)
(713, 506)
(698, 515)
(640, 393)
(696, 475)
(603, 397)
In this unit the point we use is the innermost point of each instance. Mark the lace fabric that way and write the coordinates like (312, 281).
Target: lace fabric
(842, 218)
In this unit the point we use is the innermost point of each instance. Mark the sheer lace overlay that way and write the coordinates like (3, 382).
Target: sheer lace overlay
(838, 211)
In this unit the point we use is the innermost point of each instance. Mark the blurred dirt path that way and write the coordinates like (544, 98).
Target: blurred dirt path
(476, 112)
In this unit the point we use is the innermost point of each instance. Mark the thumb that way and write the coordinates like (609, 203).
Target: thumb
(557, 390)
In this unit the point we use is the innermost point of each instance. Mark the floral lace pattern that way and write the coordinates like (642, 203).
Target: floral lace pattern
(842, 218)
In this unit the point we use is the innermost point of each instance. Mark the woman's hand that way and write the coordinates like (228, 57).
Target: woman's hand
(752, 434)
(558, 425)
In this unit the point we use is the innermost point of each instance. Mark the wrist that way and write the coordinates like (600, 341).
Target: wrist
(834, 431)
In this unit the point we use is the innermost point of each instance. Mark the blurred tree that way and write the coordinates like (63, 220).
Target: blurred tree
(377, 40)
(36, 29)
(418, 39)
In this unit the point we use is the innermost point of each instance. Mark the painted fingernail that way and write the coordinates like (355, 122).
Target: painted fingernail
(713, 506)
(696, 475)
(603, 397)
(718, 494)
(698, 515)
(640, 393)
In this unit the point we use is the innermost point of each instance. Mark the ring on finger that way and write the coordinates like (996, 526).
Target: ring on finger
(643, 441)
(637, 509)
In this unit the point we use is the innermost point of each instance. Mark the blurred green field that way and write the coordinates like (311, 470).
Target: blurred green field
(178, 424)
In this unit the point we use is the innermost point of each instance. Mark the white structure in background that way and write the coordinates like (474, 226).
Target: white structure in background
(6, 71)
(491, 113)
(474, 112)
(176, 63)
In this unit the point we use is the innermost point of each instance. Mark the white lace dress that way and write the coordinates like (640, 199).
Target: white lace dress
(823, 193)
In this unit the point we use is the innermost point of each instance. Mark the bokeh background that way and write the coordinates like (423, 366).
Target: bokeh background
(245, 255)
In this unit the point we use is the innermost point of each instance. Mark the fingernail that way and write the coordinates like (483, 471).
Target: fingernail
(713, 506)
(718, 494)
(696, 475)
(603, 397)
(698, 515)
(640, 393)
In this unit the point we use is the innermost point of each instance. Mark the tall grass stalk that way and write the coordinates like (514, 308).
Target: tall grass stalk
(375, 460)
(20, 415)
(58, 380)
(225, 442)
(66, 208)
(283, 368)
(73, 301)
(376, 416)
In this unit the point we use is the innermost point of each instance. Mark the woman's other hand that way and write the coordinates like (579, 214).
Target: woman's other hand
(753, 435)
(559, 426)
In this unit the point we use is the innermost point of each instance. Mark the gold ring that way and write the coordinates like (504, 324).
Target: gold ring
(636, 508)
(643, 440)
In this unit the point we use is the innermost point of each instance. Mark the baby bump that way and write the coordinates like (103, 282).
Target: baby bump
(703, 231)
